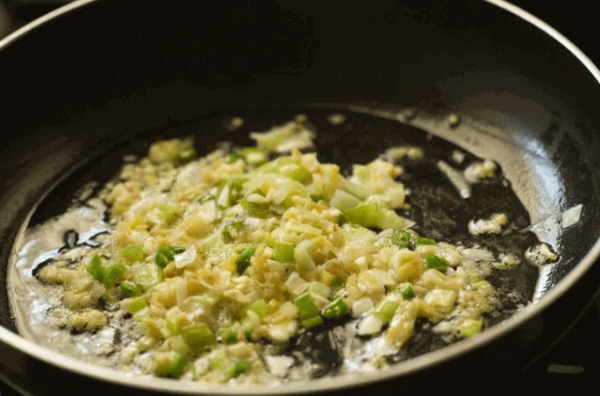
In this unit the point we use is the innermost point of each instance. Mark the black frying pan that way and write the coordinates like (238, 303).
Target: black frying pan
(527, 100)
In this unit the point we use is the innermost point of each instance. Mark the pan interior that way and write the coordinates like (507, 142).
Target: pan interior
(69, 219)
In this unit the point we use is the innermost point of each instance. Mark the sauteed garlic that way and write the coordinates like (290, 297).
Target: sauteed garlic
(213, 261)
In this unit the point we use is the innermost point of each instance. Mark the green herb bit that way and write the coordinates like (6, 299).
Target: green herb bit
(424, 241)
(406, 290)
(401, 239)
(169, 364)
(435, 262)
(132, 253)
(306, 306)
(336, 309)
(229, 336)
(243, 260)
(130, 289)
(198, 337)
(283, 252)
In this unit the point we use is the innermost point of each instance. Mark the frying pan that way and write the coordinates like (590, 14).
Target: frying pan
(96, 77)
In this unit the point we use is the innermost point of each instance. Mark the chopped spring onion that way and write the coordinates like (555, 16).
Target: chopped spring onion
(406, 290)
(386, 310)
(165, 214)
(256, 209)
(401, 239)
(306, 306)
(228, 192)
(287, 166)
(296, 172)
(254, 156)
(229, 336)
(336, 309)
(320, 289)
(424, 241)
(373, 215)
(130, 289)
(136, 305)
(198, 337)
(343, 201)
(435, 262)
(95, 267)
(170, 329)
(229, 368)
(283, 252)
(209, 298)
(302, 255)
(171, 364)
(470, 327)
(442, 300)
(260, 307)
(147, 275)
(250, 322)
(240, 367)
(312, 322)
(105, 275)
(243, 260)
(132, 253)
(166, 254)
(112, 273)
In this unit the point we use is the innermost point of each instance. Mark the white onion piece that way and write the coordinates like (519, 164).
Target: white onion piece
(477, 254)
(361, 306)
(369, 325)
(185, 258)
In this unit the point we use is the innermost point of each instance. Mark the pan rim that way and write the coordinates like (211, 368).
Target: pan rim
(405, 368)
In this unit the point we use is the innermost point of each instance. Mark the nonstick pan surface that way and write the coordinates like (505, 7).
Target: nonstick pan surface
(525, 99)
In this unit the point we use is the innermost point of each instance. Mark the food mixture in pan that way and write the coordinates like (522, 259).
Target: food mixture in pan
(214, 265)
